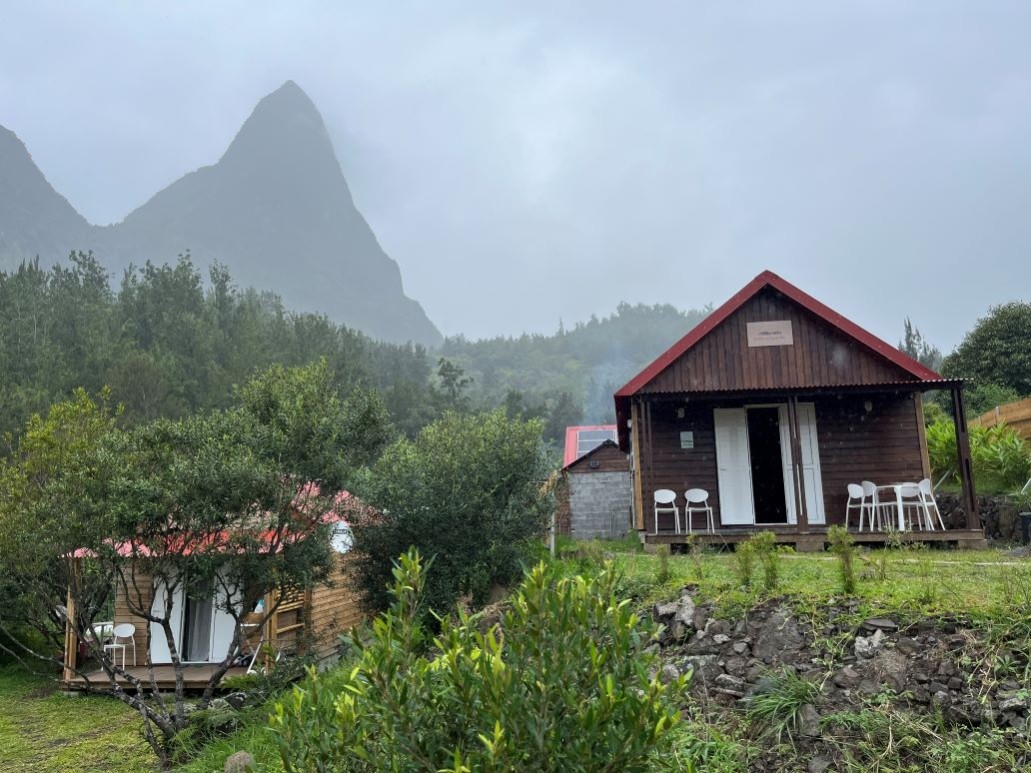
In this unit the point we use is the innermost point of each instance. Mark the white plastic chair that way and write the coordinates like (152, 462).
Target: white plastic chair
(125, 631)
(873, 506)
(698, 496)
(856, 501)
(927, 497)
(912, 500)
(666, 502)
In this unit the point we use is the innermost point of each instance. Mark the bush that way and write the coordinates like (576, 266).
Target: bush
(843, 546)
(764, 544)
(564, 688)
(467, 493)
(1001, 458)
(744, 563)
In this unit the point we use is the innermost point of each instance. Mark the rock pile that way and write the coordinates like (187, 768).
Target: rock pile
(933, 666)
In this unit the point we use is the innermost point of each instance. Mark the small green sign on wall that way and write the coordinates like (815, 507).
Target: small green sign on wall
(687, 439)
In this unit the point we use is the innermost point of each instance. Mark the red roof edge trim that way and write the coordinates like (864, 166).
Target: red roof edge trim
(769, 279)
(765, 279)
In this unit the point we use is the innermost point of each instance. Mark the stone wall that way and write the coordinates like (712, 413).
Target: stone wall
(599, 505)
(998, 515)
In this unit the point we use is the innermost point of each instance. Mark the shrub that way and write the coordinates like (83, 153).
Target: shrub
(565, 687)
(843, 546)
(744, 563)
(466, 493)
(765, 546)
(1001, 458)
(662, 568)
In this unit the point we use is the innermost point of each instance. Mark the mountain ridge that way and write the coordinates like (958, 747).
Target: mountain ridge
(275, 208)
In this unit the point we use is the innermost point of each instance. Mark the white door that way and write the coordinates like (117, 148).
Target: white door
(159, 652)
(734, 467)
(217, 629)
(811, 476)
(222, 628)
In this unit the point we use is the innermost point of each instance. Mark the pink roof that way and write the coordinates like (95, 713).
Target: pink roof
(570, 454)
(179, 542)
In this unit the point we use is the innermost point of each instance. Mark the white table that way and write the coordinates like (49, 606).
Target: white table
(897, 488)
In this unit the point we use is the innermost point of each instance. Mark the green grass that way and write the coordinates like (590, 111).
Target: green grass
(41, 729)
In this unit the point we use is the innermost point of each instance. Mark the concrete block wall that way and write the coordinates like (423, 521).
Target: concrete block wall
(599, 505)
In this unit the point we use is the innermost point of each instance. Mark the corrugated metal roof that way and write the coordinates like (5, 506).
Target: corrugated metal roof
(921, 373)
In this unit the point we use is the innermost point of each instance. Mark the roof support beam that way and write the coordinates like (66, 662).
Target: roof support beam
(966, 466)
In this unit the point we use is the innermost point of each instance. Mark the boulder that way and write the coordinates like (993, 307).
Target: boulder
(664, 611)
(809, 721)
(778, 636)
(867, 646)
(685, 611)
(239, 762)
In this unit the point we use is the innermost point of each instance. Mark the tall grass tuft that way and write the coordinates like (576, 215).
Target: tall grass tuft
(843, 546)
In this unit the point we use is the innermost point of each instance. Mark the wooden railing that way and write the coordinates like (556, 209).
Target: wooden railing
(1015, 415)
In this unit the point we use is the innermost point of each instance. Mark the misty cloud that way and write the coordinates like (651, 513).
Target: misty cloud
(541, 160)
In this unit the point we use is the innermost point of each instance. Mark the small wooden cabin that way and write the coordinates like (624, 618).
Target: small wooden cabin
(306, 621)
(774, 404)
(597, 490)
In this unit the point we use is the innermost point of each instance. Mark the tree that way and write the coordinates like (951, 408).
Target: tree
(230, 505)
(920, 349)
(997, 350)
(454, 382)
(466, 493)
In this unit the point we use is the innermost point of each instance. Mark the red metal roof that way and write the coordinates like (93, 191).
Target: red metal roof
(570, 454)
(765, 279)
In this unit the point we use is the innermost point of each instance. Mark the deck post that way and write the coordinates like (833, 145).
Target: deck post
(71, 639)
(966, 466)
(801, 512)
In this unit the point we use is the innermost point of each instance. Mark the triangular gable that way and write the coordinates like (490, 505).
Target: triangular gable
(597, 451)
(893, 364)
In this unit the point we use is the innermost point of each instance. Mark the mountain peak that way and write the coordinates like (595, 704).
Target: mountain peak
(283, 122)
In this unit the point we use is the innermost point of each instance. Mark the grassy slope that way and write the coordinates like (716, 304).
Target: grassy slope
(41, 729)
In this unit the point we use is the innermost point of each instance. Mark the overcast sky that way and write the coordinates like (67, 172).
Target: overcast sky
(529, 161)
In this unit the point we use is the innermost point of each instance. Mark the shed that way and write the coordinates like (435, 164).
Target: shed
(773, 405)
(599, 493)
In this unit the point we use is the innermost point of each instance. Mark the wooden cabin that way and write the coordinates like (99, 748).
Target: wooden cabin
(303, 622)
(773, 405)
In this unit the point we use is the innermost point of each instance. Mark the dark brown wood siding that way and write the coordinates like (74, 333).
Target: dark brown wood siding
(882, 445)
(819, 356)
(676, 468)
(608, 459)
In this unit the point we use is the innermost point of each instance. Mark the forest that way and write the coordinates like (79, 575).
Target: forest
(169, 342)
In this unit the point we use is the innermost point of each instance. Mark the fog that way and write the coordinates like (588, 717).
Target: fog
(540, 161)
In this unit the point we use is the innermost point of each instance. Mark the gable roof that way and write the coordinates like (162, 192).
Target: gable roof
(592, 452)
(914, 370)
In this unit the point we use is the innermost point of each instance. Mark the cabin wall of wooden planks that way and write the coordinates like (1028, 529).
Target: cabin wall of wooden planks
(883, 444)
(335, 609)
(330, 610)
(141, 593)
(1014, 415)
(819, 355)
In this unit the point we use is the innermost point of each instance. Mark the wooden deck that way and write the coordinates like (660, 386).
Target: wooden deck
(815, 539)
(196, 677)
